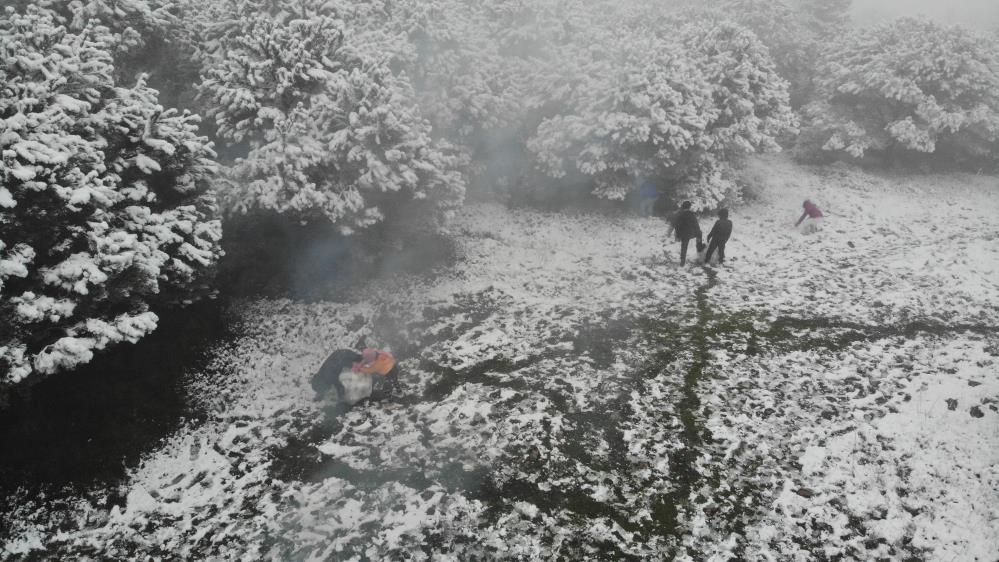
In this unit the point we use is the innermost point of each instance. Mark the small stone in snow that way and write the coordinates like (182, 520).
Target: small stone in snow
(974, 383)
(951, 404)
(976, 412)
(804, 492)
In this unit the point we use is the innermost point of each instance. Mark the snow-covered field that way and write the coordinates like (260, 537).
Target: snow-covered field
(570, 392)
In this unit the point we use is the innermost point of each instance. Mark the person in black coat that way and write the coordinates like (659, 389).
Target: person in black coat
(329, 374)
(686, 227)
(719, 235)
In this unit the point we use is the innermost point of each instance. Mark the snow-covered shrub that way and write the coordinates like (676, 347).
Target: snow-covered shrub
(677, 106)
(826, 17)
(793, 44)
(329, 132)
(104, 209)
(463, 83)
(465, 66)
(147, 37)
(908, 86)
(750, 97)
(133, 26)
(640, 107)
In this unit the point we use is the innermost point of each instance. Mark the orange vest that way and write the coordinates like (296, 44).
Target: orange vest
(382, 364)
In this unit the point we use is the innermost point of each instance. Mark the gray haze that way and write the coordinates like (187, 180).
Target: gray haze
(977, 13)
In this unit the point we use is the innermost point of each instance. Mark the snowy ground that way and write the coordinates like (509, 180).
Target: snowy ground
(570, 393)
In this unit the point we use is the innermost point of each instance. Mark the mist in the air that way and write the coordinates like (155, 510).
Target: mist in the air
(976, 13)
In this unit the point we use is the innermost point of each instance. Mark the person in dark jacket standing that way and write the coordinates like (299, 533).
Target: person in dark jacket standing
(719, 235)
(686, 227)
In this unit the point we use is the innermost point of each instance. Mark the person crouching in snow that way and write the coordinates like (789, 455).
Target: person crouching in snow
(328, 375)
(686, 227)
(814, 216)
(377, 362)
(369, 362)
(719, 235)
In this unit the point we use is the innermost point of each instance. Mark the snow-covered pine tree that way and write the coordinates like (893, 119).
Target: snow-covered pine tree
(793, 44)
(104, 207)
(674, 103)
(909, 86)
(750, 96)
(462, 83)
(826, 17)
(133, 26)
(330, 133)
(458, 72)
(752, 103)
(639, 110)
(149, 37)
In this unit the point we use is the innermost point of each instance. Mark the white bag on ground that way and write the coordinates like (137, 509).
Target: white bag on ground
(811, 226)
(357, 386)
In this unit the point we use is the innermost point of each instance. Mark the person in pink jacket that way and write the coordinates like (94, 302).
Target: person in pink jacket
(813, 214)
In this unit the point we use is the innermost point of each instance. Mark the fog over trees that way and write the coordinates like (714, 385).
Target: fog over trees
(357, 114)
(507, 202)
(975, 13)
